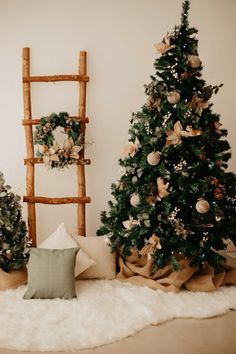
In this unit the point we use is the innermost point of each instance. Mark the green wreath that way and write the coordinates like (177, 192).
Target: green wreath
(52, 153)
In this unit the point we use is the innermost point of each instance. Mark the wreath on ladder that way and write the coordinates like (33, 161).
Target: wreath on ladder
(52, 153)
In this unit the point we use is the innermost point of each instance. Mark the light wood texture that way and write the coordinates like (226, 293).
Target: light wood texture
(38, 160)
(36, 121)
(80, 168)
(30, 121)
(65, 200)
(81, 199)
(29, 146)
(53, 78)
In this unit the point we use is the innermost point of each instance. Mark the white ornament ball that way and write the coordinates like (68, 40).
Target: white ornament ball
(147, 223)
(202, 206)
(154, 158)
(145, 216)
(134, 179)
(135, 200)
(194, 61)
(173, 97)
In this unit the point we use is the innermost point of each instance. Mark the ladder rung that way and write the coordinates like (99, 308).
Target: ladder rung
(53, 78)
(37, 160)
(30, 121)
(36, 121)
(66, 200)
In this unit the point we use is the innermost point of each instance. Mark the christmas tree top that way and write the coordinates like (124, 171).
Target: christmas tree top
(174, 198)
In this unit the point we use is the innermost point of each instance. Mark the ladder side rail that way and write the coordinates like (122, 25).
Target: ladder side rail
(81, 186)
(30, 170)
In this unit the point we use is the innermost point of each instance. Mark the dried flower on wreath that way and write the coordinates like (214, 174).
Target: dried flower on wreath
(49, 150)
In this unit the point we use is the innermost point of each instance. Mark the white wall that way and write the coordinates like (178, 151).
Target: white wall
(118, 36)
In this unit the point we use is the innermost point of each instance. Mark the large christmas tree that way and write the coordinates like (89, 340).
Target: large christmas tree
(14, 244)
(175, 198)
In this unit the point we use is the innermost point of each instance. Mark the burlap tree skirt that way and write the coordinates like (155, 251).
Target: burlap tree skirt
(138, 270)
(13, 279)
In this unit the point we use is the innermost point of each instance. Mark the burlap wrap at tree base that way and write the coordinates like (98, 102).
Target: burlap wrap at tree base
(137, 270)
(13, 279)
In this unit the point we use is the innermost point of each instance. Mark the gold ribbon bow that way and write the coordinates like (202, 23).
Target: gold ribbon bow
(152, 245)
(164, 46)
(198, 104)
(162, 187)
(174, 135)
(131, 149)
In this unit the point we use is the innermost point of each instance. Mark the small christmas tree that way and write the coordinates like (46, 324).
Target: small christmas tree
(13, 240)
(175, 198)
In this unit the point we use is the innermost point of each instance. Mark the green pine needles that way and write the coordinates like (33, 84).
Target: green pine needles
(14, 245)
(174, 192)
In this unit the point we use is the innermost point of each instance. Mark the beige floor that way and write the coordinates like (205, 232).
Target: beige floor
(210, 336)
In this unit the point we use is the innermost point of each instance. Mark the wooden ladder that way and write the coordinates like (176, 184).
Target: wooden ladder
(31, 199)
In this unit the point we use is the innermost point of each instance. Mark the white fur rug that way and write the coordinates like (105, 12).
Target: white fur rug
(104, 311)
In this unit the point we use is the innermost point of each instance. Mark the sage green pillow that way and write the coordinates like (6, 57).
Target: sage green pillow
(51, 273)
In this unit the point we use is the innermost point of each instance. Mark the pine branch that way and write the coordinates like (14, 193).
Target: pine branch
(184, 16)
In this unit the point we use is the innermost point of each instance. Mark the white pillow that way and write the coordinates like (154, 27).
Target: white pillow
(61, 239)
(97, 248)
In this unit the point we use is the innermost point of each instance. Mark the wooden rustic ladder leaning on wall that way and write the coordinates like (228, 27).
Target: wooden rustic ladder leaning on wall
(31, 160)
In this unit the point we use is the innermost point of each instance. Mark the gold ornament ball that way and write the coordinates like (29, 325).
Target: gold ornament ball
(194, 61)
(202, 206)
(173, 97)
(135, 200)
(154, 158)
